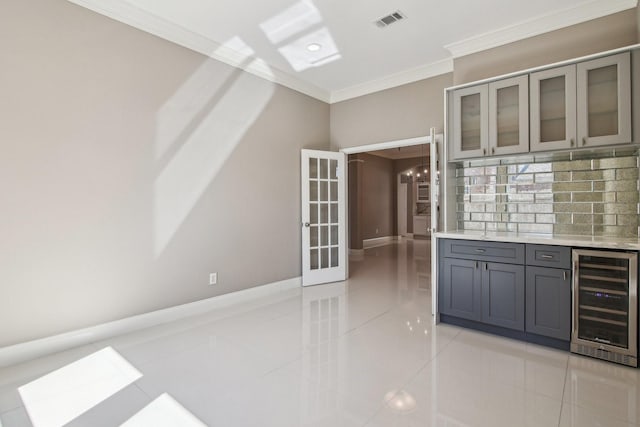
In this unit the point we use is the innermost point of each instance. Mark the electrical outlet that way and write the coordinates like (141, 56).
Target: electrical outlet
(213, 278)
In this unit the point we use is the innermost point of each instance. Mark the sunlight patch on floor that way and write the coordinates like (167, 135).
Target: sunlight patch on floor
(163, 412)
(62, 395)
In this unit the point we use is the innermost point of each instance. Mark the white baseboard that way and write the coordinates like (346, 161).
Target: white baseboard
(18, 353)
(378, 241)
(356, 252)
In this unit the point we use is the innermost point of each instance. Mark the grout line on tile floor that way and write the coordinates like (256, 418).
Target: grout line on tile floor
(564, 389)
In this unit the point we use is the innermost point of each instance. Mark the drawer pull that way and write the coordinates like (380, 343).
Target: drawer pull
(545, 256)
(481, 250)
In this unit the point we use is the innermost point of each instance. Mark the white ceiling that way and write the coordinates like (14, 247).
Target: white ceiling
(269, 37)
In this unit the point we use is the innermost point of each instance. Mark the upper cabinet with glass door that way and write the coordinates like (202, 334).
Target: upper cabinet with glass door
(491, 119)
(509, 116)
(582, 105)
(604, 101)
(553, 109)
(470, 122)
(585, 104)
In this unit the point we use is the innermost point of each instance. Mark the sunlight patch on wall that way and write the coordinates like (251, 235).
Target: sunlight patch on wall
(164, 411)
(212, 123)
(176, 116)
(60, 396)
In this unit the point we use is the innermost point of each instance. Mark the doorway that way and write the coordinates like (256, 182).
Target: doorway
(386, 198)
(374, 235)
(436, 153)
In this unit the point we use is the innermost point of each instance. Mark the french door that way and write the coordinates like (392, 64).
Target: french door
(324, 254)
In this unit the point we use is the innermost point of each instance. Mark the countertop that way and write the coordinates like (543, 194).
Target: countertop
(600, 242)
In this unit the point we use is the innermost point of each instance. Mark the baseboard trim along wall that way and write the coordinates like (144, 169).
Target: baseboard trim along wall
(22, 352)
(378, 241)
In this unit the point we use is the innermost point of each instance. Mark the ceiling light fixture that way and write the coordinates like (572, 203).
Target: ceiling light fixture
(314, 47)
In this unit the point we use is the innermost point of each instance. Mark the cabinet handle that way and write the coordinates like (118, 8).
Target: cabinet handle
(546, 256)
(476, 264)
(484, 151)
(572, 142)
(493, 150)
(486, 265)
(584, 140)
(480, 250)
(564, 275)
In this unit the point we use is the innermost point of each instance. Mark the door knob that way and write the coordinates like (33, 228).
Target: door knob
(306, 224)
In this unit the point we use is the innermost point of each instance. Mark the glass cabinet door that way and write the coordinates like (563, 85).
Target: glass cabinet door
(553, 109)
(509, 116)
(604, 101)
(470, 122)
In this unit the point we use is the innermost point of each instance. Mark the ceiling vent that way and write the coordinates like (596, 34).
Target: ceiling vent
(385, 21)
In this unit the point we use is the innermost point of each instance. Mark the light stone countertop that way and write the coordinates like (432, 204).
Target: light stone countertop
(600, 242)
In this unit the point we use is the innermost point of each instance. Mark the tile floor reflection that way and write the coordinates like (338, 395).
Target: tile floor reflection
(358, 353)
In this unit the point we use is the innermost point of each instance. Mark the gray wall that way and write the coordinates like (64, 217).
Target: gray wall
(132, 167)
(378, 197)
(638, 21)
(398, 113)
(373, 196)
(609, 32)
(356, 223)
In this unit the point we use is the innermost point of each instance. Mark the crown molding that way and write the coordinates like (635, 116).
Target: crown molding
(124, 12)
(409, 76)
(539, 25)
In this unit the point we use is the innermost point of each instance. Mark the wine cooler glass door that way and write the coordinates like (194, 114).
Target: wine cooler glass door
(605, 300)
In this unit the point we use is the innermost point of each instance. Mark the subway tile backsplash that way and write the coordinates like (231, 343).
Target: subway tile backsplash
(585, 196)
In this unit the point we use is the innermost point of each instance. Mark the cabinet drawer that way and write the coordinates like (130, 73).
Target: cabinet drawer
(510, 253)
(549, 256)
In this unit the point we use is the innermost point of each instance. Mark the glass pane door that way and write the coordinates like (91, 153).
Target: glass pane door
(323, 210)
(553, 114)
(323, 217)
(470, 122)
(602, 98)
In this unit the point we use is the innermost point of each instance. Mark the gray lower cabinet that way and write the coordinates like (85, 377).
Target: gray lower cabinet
(460, 288)
(548, 297)
(518, 290)
(503, 295)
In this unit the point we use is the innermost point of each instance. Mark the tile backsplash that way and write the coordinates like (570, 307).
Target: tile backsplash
(586, 196)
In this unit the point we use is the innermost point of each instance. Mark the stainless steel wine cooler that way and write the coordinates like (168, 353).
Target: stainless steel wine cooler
(605, 285)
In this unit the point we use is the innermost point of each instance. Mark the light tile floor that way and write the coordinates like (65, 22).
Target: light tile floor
(359, 353)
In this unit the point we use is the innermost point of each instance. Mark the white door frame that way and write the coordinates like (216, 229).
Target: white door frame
(384, 146)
